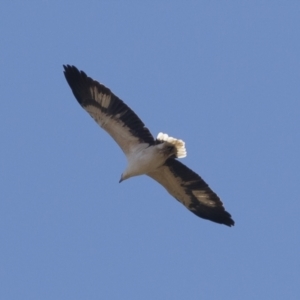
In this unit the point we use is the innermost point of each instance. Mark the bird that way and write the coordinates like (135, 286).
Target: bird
(156, 158)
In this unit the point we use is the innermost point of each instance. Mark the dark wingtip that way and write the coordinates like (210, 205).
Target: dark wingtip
(78, 82)
(68, 67)
(72, 70)
(229, 222)
(220, 216)
(225, 218)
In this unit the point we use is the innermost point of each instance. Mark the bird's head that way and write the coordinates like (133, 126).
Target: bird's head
(124, 176)
(121, 179)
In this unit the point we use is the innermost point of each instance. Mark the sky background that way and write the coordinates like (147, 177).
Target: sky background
(221, 75)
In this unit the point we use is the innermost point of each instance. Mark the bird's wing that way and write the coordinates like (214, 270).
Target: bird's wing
(110, 112)
(192, 191)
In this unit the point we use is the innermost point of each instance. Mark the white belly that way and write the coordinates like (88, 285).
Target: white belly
(145, 161)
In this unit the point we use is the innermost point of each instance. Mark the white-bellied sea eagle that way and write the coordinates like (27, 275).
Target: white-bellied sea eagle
(156, 158)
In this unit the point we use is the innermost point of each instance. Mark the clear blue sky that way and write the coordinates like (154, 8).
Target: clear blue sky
(221, 75)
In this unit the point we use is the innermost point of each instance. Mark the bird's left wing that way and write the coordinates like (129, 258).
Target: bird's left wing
(110, 112)
(192, 191)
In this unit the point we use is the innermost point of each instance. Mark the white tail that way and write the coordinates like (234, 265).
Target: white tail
(179, 144)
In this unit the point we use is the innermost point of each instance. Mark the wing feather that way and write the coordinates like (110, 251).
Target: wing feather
(110, 112)
(192, 191)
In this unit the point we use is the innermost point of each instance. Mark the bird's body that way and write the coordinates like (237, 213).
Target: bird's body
(156, 158)
(146, 159)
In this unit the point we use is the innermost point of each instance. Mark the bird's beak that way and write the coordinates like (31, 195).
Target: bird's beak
(121, 179)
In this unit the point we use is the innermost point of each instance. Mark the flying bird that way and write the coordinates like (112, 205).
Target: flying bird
(156, 158)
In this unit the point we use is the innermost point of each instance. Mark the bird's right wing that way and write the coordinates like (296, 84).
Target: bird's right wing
(192, 191)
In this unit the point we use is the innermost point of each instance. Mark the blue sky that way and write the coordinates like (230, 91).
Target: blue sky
(222, 76)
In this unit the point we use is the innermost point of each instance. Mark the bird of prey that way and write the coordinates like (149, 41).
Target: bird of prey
(156, 158)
